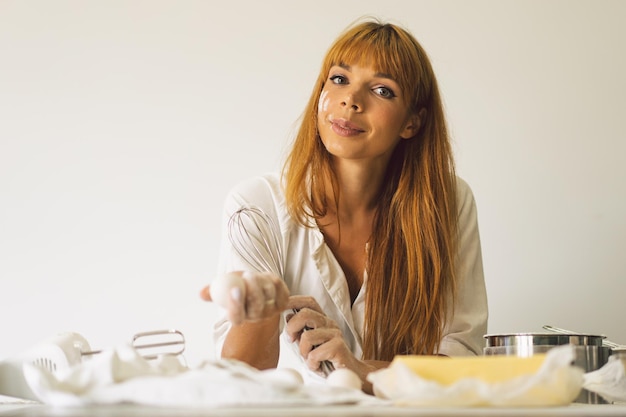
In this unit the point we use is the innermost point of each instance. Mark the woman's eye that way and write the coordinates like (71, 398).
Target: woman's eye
(384, 92)
(338, 79)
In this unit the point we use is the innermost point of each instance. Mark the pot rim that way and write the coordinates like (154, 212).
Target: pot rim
(601, 336)
(542, 339)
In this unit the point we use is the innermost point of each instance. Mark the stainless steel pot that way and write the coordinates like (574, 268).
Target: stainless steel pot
(590, 352)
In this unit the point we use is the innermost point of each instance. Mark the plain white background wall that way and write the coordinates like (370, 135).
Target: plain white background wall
(124, 123)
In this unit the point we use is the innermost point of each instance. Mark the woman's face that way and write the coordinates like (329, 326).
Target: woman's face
(362, 114)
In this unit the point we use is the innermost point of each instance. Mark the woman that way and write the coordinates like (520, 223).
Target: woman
(378, 244)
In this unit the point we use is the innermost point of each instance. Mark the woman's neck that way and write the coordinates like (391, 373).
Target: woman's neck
(358, 189)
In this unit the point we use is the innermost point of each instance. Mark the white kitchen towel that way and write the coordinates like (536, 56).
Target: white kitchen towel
(610, 380)
(555, 383)
(121, 375)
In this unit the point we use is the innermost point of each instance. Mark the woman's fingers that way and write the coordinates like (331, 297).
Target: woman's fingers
(306, 319)
(236, 309)
(325, 347)
(232, 303)
(317, 339)
(255, 297)
(322, 348)
(205, 293)
(282, 294)
(299, 302)
(248, 295)
(266, 295)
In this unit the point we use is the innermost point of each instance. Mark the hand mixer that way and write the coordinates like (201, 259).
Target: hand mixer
(255, 237)
(66, 350)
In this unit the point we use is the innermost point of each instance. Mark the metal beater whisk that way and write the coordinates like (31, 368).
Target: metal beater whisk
(153, 344)
(256, 238)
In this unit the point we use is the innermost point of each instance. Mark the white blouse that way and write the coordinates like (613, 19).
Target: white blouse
(309, 267)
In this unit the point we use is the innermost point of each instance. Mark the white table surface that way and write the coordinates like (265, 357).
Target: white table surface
(38, 410)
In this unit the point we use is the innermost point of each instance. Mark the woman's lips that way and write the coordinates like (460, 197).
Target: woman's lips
(344, 127)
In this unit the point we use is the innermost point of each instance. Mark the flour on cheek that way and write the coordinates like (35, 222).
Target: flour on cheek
(323, 103)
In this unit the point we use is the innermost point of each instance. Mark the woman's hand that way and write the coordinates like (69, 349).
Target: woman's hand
(248, 296)
(320, 339)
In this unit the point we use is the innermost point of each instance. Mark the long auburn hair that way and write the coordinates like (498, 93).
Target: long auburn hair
(410, 264)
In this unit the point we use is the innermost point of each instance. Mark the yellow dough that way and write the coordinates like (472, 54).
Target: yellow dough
(447, 371)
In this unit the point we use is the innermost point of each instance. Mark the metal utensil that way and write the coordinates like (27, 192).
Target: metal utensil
(255, 237)
(152, 344)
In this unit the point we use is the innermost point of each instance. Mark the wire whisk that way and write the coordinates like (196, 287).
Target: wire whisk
(256, 238)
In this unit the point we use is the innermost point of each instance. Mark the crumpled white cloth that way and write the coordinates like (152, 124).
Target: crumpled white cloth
(609, 381)
(555, 383)
(121, 375)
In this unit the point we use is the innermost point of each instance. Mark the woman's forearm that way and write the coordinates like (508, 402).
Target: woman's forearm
(256, 343)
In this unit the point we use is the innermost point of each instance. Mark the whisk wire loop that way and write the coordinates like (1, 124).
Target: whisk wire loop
(256, 238)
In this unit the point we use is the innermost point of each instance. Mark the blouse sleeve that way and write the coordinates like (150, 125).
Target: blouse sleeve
(464, 333)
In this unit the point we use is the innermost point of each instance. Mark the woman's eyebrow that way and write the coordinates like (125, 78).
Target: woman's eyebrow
(377, 75)
(345, 66)
(384, 75)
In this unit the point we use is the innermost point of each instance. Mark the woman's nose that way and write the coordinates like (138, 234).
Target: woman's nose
(353, 101)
